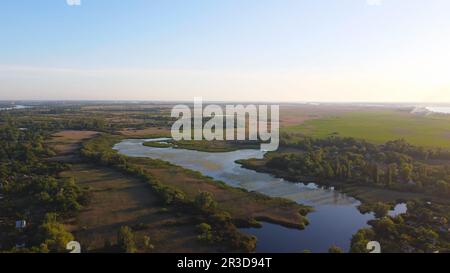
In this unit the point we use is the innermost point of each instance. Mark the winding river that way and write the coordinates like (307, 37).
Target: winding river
(334, 221)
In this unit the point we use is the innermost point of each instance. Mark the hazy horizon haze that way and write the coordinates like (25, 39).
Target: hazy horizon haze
(284, 51)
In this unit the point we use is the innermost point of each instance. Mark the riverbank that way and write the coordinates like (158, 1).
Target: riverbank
(366, 194)
(243, 208)
(118, 200)
(334, 220)
(204, 146)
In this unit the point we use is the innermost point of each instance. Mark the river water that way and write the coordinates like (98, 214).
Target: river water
(334, 221)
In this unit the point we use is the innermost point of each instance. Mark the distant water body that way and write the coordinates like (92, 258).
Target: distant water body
(441, 110)
(14, 107)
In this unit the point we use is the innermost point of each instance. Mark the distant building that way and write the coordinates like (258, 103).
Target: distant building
(21, 224)
(20, 245)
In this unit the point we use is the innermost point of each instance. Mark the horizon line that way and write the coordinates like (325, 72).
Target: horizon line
(13, 101)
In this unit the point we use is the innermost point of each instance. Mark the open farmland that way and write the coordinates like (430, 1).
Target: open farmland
(379, 126)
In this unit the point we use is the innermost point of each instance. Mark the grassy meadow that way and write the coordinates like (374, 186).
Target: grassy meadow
(379, 126)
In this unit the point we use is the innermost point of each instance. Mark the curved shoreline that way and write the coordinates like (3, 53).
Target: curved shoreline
(290, 214)
(330, 203)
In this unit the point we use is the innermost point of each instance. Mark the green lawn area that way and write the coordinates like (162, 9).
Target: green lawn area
(381, 126)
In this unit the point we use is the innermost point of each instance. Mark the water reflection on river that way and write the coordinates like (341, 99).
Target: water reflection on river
(335, 219)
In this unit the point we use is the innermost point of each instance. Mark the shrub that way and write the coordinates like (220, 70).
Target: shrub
(126, 240)
(205, 232)
(205, 201)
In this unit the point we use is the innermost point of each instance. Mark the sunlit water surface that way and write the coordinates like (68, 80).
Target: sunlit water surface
(334, 221)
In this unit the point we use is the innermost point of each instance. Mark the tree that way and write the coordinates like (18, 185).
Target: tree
(360, 240)
(335, 249)
(381, 209)
(385, 227)
(126, 240)
(349, 169)
(205, 201)
(205, 232)
(406, 171)
(375, 174)
(148, 243)
(443, 188)
(427, 238)
(391, 173)
(328, 170)
(54, 235)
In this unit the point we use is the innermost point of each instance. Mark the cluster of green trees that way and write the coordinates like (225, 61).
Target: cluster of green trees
(32, 190)
(126, 240)
(395, 165)
(75, 117)
(424, 228)
(44, 123)
(380, 209)
(152, 118)
(203, 206)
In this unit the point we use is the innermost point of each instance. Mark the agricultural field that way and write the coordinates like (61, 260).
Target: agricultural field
(379, 126)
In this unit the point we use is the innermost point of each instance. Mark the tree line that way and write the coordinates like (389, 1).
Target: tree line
(395, 165)
(33, 191)
(215, 224)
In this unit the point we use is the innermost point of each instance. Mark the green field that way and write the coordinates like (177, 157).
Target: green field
(380, 126)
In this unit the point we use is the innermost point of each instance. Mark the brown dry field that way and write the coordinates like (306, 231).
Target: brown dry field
(118, 200)
(241, 205)
(66, 143)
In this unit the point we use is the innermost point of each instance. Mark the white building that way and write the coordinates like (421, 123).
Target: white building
(21, 224)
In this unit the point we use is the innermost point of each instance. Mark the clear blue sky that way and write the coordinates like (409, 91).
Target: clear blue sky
(283, 50)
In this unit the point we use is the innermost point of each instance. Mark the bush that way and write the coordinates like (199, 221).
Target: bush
(381, 209)
(54, 235)
(205, 201)
(335, 249)
(126, 240)
(205, 232)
